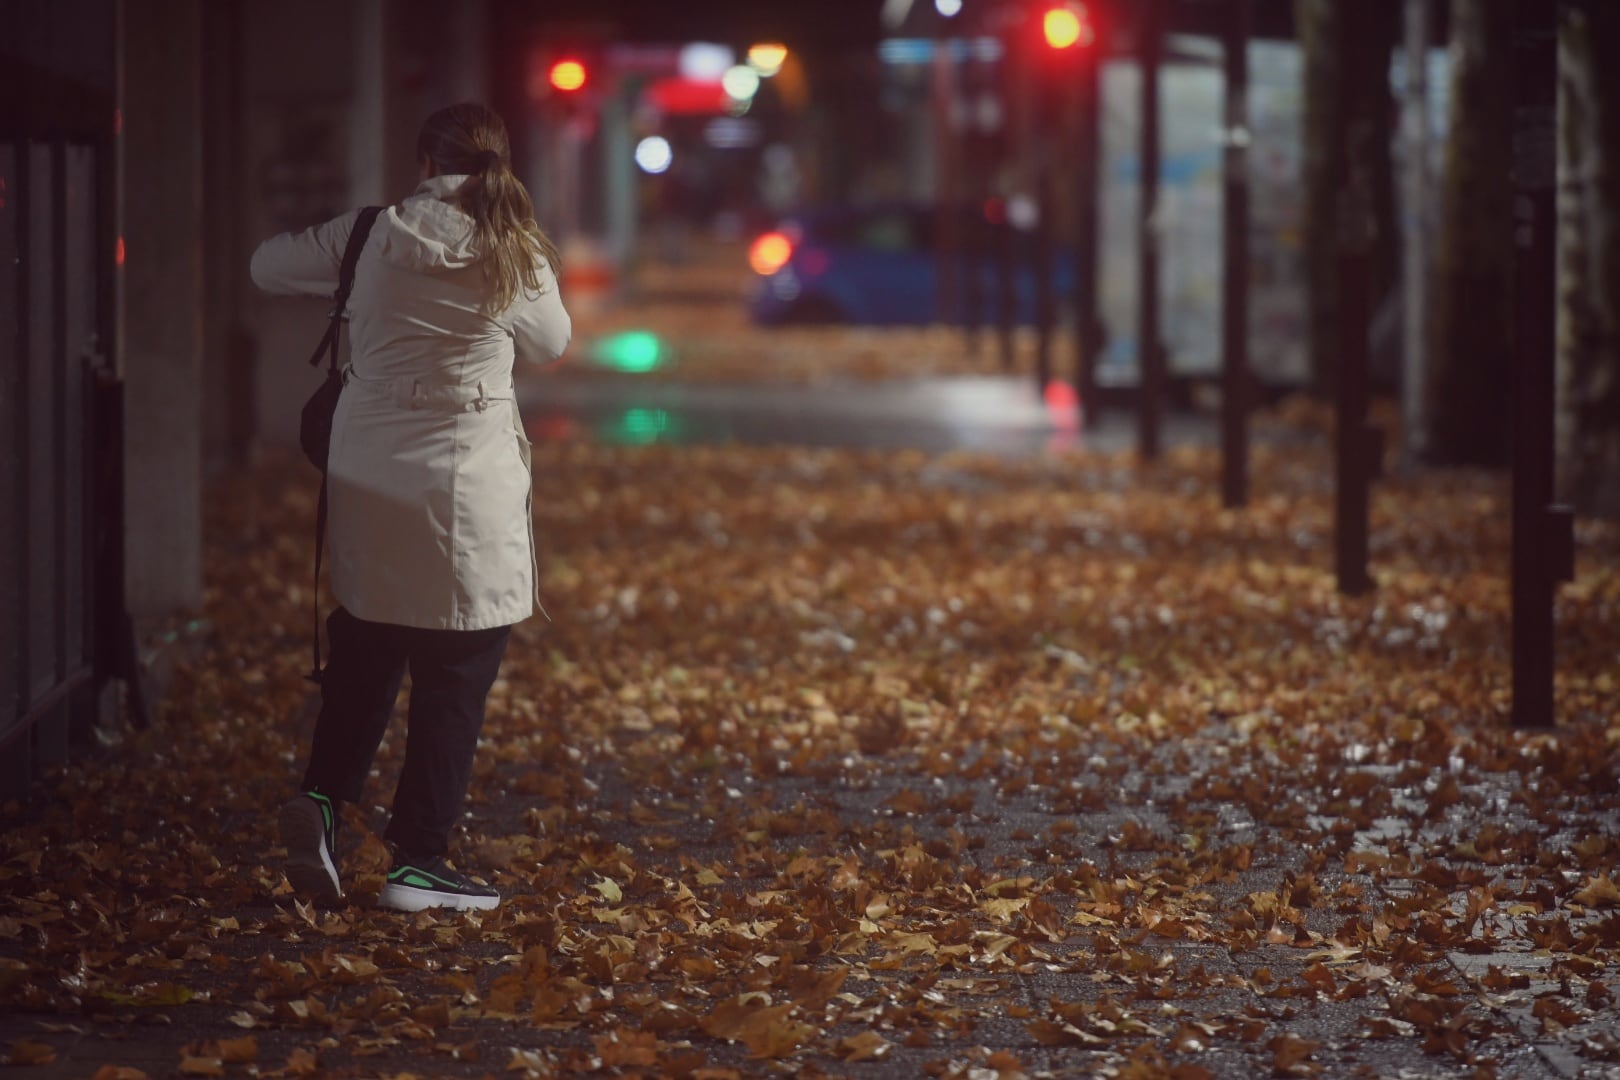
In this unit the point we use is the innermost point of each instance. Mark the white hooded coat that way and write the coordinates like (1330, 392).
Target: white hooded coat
(428, 476)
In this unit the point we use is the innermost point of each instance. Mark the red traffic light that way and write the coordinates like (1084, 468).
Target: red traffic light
(567, 76)
(1068, 25)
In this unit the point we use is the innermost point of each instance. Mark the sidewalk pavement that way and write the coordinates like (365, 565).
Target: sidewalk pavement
(880, 764)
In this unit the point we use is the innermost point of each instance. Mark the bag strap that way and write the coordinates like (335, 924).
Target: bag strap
(340, 299)
(329, 343)
(317, 673)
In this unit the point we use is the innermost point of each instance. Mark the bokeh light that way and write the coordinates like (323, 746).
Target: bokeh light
(770, 253)
(703, 61)
(653, 154)
(742, 83)
(767, 58)
(634, 351)
(1062, 27)
(568, 75)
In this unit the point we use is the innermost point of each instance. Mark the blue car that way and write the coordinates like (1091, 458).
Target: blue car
(878, 266)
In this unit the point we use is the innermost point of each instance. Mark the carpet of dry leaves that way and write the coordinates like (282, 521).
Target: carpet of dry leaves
(839, 763)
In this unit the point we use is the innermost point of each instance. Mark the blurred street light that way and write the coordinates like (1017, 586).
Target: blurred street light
(703, 61)
(948, 8)
(567, 75)
(770, 253)
(767, 58)
(633, 351)
(654, 155)
(1023, 213)
(1067, 25)
(742, 83)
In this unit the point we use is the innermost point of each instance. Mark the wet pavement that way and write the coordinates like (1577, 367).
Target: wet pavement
(985, 413)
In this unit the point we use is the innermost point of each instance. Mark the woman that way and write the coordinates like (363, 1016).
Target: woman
(430, 536)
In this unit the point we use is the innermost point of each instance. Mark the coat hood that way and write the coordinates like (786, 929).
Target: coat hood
(426, 233)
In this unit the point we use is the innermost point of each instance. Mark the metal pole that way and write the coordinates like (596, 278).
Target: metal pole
(1543, 534)
(1414, 353)
(1041, 246)
(1236, 388)
(1006, 237)
(947, 244)
(618, 167)
(1006, 241)
(1355, 455)
(368, 128)
(1353, 479)
(1087, 328)
(975, 229)
(1150, 355)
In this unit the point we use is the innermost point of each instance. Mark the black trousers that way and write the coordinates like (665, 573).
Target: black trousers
(451, 673)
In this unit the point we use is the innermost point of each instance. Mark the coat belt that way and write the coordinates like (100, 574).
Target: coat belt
(432, 396)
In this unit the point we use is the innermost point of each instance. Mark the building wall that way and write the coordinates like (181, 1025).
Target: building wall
(163, 296)
(58, 327)
(329, 123)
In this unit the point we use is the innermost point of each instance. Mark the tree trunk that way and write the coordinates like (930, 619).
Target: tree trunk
(1589, 260)
(1320, 24)
(1348, 102)
(1471, 355)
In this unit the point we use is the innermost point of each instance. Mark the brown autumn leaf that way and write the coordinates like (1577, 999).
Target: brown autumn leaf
(867, 1046)
(1188, 1070)
(1385, 1027)
(240, 1051)
(118, 1072)
(1600, 891)
(1601, 1046)
(621, 1047)
(1319, 978)
(810, 989)
(302, 1062)
(1060, 1033)
(1498, 979)
(30, 1052)
(729, 1018)
(776, 1037)
(1290, 1055)
(1555, 1015)
(198, 1065)
(767, 1030)
(1436, 982)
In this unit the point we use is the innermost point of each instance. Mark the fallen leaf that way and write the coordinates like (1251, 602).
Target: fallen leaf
(30, 1052)
(867, 1046)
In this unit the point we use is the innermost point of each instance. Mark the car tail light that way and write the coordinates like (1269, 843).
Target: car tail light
(770, 253)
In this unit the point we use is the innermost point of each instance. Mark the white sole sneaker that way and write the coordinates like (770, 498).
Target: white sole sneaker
(409, 898)
(309, 865)
(416, 886)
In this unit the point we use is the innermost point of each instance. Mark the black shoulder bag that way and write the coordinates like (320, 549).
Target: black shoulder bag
(315, 424)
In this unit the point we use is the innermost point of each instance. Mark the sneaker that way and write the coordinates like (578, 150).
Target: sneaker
(416, 883)
(309, 832)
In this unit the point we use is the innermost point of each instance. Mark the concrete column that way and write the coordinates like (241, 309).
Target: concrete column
(468, 54)
(1416, 234)
(163, 239)
(228, 414)
(619, 169)
(368, 127)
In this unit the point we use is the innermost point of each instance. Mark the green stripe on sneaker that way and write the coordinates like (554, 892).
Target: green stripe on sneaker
(421, 879)
(326, 808)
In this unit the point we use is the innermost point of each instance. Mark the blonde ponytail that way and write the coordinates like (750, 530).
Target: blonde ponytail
(471, 139)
